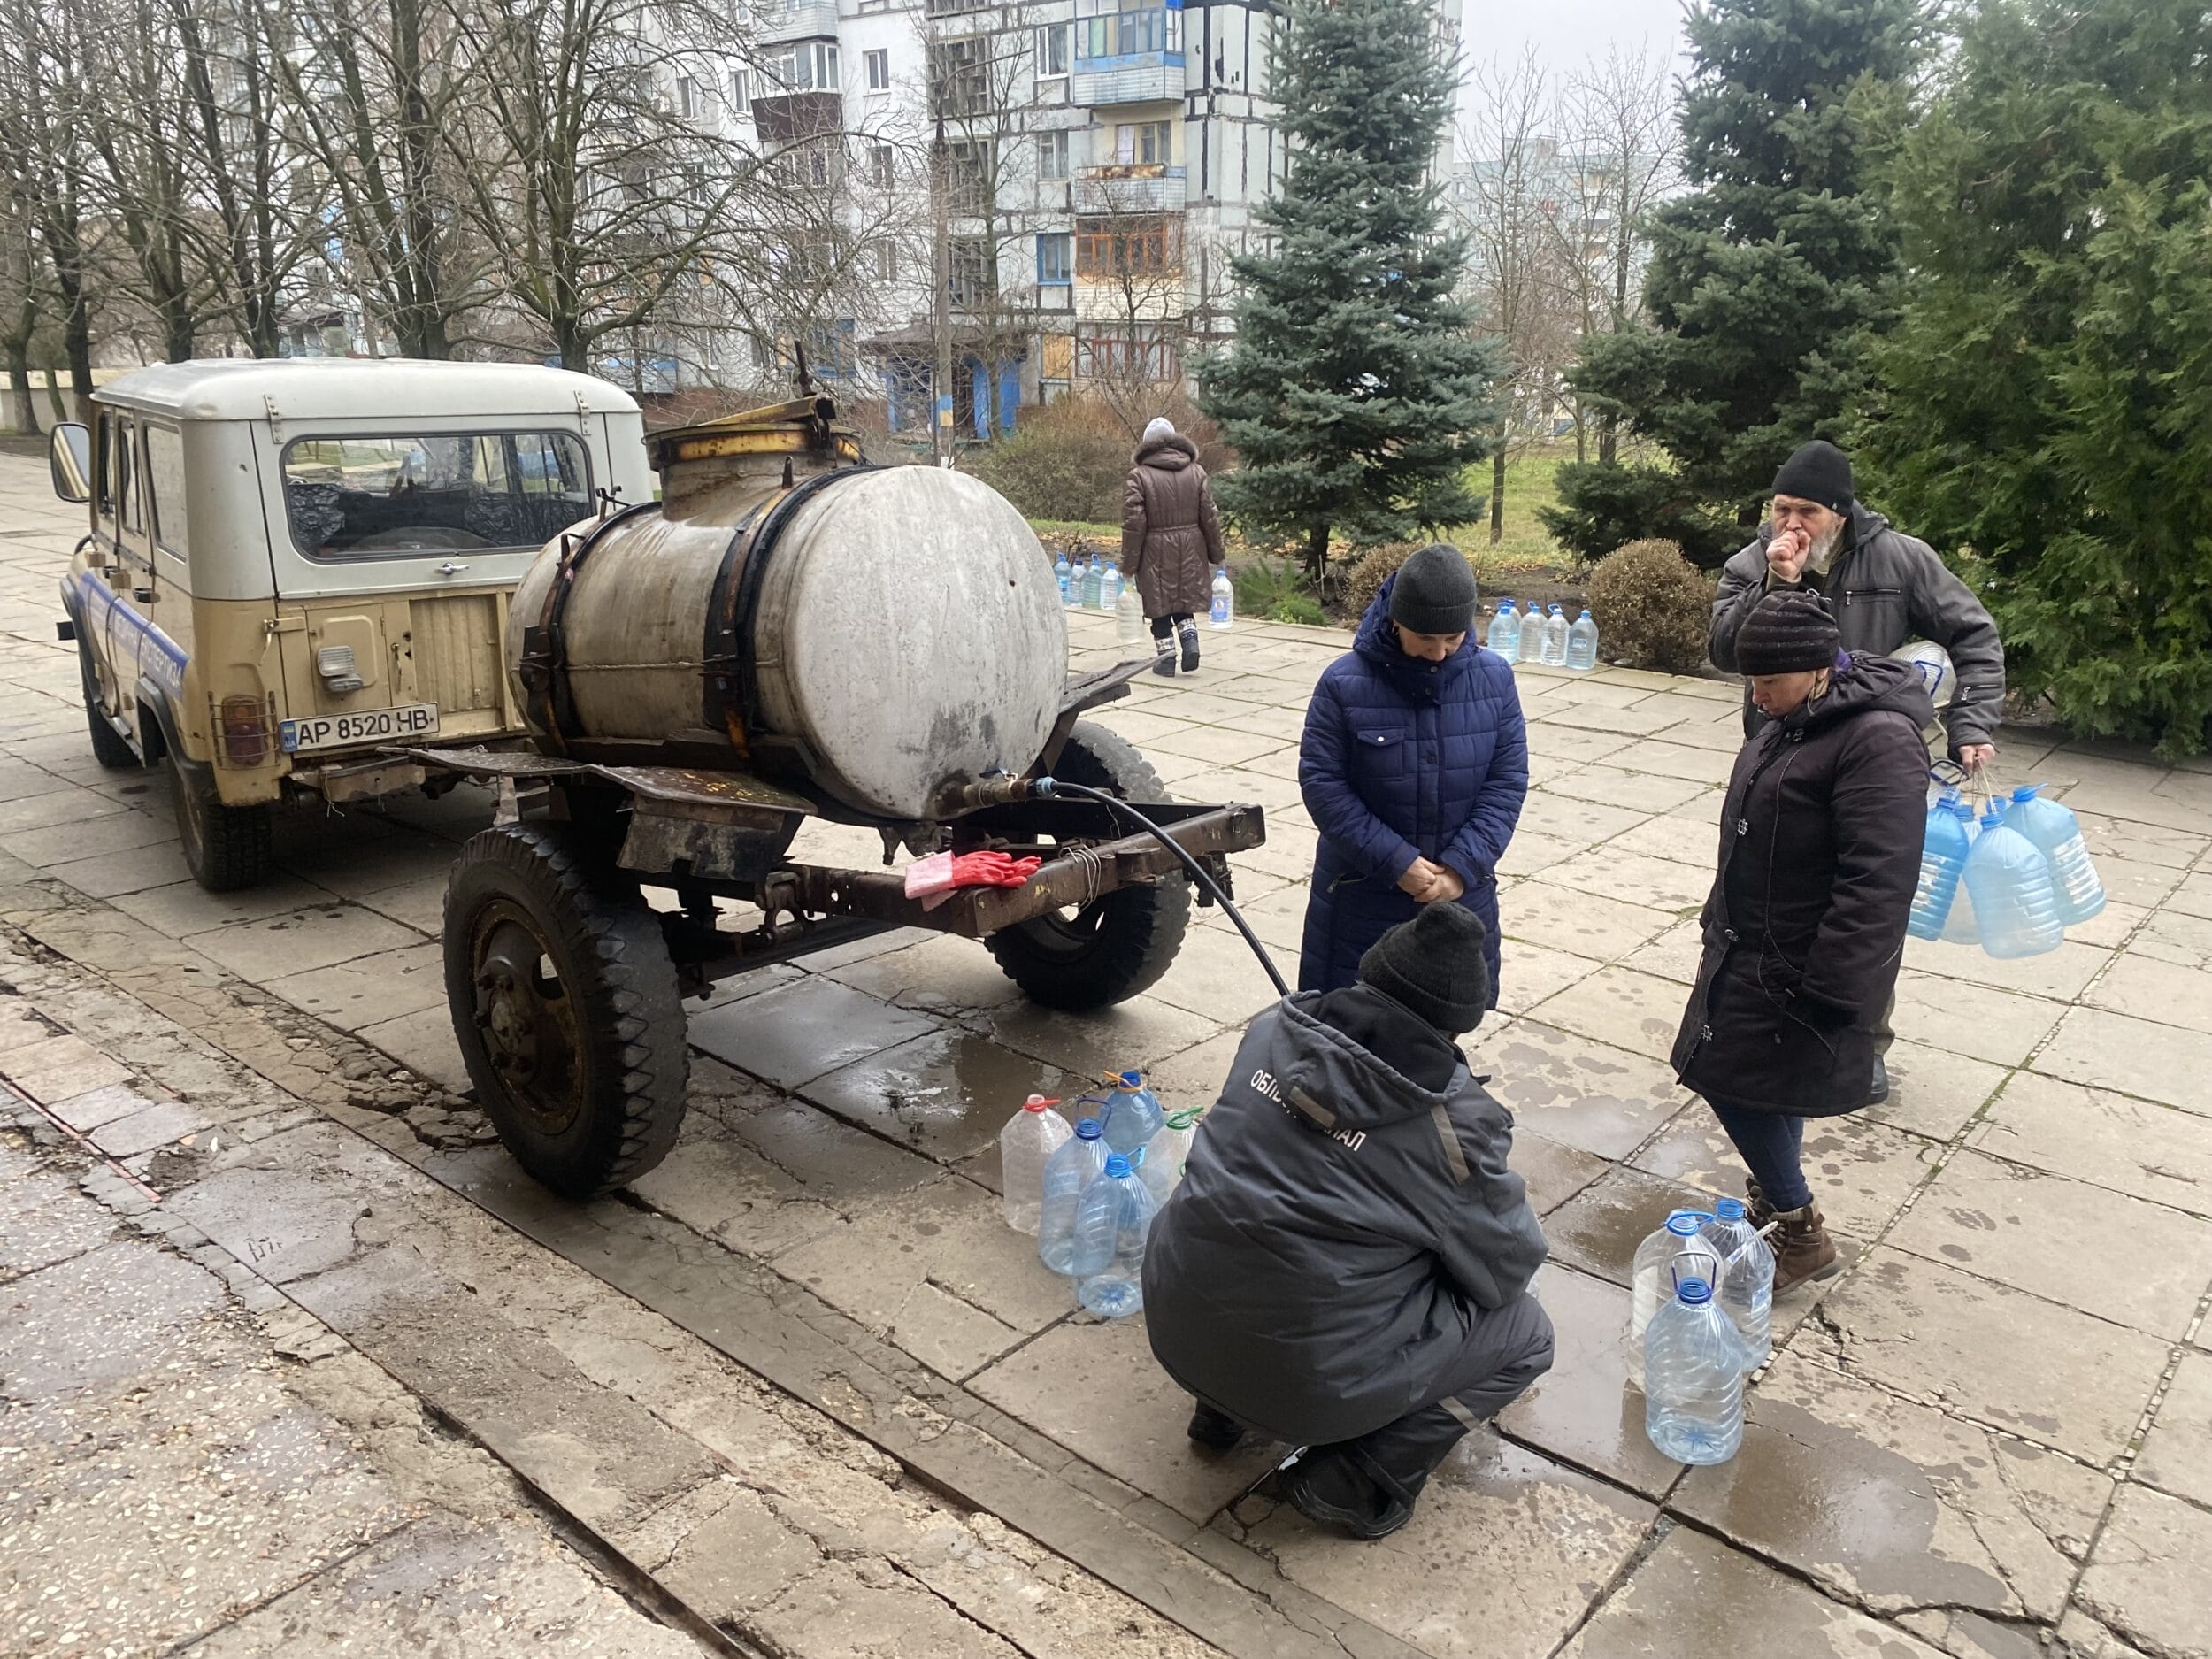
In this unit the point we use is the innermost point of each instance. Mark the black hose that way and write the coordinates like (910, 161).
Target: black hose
(1049, 787)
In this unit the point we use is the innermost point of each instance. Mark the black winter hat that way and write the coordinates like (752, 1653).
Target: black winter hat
(1434, 592)
(1817, 472)
(1434, 966)
(1789, 632)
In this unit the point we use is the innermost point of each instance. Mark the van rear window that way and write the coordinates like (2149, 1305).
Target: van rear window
(353, 498)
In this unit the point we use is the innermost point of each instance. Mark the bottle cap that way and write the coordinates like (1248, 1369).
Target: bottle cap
(1728, 1210)
(2026, 792)
(1090, 1129)
(1685, 1223)
(1117, 1168)
(1696, 1292)
(1586, 611)
(1038, 1103)
(1132, 1080)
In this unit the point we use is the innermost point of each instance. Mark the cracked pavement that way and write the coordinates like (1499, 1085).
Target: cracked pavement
(292, 1357)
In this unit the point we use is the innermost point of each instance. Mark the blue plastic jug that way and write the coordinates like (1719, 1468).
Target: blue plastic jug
(1942, 866)
(2056, 832)
(1132, 1114)
(1693, 1370)
(2009, 881)
(1064, 573)
(1072, 1166)
(1110, 1226)
(1505, 632)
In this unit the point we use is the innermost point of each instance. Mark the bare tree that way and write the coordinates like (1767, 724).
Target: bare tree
(45, 88)
(1133, 259)
(22, 281)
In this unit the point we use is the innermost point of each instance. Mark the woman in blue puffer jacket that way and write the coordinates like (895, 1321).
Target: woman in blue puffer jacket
(1413, 766)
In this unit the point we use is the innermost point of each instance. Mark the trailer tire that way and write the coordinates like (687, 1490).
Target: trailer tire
(110, 748)
(1108, 951)
(582, 1070)
(225, 848)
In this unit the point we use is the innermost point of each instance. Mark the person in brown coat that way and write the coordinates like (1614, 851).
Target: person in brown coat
(1820, 839)
(1170, 541)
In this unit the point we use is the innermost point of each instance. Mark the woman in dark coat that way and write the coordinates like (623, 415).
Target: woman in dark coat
(1413, 766)
(1170, 541)
(1820, 841)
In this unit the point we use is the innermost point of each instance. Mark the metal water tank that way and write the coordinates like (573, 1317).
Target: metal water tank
(885, 632)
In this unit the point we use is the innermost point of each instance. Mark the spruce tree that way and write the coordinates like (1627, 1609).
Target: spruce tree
(1766, 278)
(1354, 393)
(2045, 404)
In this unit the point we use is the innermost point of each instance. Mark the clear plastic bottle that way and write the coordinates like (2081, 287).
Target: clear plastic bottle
(1648, 1279)
(1166, 1154)
(1129, 630)
(1110, 1226)
(1505, 632)
(2009, 881)
(1582, 644)
(1221, 611)
(1942, 864)
(1064, 573)
(1031, 1135)
(2056, 832)
(1072, 1166)
(1109, 588)
(1747, 1279)
(1531, 641)
(1093, 584)
(1694, 1377)
(1960, 928)
(1133, 1114)
(1554, 648)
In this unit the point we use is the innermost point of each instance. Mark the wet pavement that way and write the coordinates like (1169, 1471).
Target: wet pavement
(287, 1333)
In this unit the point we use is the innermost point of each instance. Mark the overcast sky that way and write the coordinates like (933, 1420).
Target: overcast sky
(1565, 32)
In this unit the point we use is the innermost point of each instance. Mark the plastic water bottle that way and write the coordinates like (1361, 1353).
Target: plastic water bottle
(1162, 1158)
(2009, 881)
(1694, 1377)
(2056, 832)
(1109, 588)
(1072, 1166)
(1649, 1277)
(1942, 864)
(1031, 1135)
(1505, 632)
(1582, 644)
(1133, 1114)
(1093, 584)
(1960, 928)
(1221, 611)
(1065, 573)
(1109, 1232)
(1554, 646)
(1531, 641)
(1747, 1279)
(1129, 629)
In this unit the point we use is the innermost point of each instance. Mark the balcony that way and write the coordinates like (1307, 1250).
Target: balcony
(797, 20)
(1140, 78)
(1138, 187)
(792, 116)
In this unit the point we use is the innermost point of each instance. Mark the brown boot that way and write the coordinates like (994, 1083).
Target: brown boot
(1803, 1248)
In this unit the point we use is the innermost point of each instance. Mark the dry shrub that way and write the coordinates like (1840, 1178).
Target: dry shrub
(1653, 608)
(1066, 460)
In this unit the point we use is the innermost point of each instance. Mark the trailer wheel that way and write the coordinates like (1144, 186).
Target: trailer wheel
(109, 746)
(566, 1003)
(225, 848)
(1107, 952)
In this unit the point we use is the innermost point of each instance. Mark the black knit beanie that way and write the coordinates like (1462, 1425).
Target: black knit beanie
(1434, 592)
(1789, 632)
(1817, 472)
(1434, 966)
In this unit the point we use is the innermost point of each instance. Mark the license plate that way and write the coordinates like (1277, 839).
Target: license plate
(362, 726)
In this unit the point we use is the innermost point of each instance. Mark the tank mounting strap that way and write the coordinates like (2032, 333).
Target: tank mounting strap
(542, 666)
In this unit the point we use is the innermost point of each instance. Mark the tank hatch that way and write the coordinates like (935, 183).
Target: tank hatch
(793, 440)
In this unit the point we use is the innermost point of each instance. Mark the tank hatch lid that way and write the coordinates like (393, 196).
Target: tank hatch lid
(803, 426)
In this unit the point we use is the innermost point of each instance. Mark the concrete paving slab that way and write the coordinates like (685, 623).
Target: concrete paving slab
(1603, 1100)
(940, 974)
(64, 804)
(1928, 1332)
(157, 1125)
(798, 1033)
(1935, 1091)
(1961, 1018)
(1504, 1555)
(2161, 990)
(89, 1111)
(111, 833)
(44, 1218)
(2136, 1057)
(2060, 974)
(1897, 1504)
(262, 952)
(1532, 851)
(946, 1096)
(1599, 1230)
(1658, 884)
(843, 1608)
(723, 1188)
(1216, 977)
(2193, 896)
(1549, 812)
(1552, 1172)
(1675, 955)
(2174, 1455)
(131, 872)
(1098, 1045)
(423, 1042)
(2146, 1578)
(58, 1068)
(370, 990)
(1583, 1411)
(2136, 1146)
(1587, 925)
(181, 909)
(1694, 1595)
(1861, 1172)
(2027, 1228)
(1619, 1006)
(843, 1167)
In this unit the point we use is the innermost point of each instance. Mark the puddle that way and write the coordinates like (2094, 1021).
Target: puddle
(947, 1095)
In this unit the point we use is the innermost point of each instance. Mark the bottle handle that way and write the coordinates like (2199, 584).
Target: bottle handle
(1675, 1275)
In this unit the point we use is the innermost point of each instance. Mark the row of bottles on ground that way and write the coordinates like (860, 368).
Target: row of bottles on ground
(1544, 639)
(2013, 883)
(1088, 1193)
(1098, 585)
(1701, 1317)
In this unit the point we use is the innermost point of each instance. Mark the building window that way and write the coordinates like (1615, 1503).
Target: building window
(878, 63)
(1143, 142)
(960, 76)
(1052, 155)
(739, 103)
(1055, 255)
(1133, 351)
(968, 179)
(687, 95)
(882, 166)
(809, 67)
(1124, 28)
(886, 262)
(1052, 52)
(1109, 246)
(974, 273)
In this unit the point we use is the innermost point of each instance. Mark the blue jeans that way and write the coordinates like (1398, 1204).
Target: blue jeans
(1772, 1143)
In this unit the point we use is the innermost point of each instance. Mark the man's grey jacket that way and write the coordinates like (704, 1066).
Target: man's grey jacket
(1328, 1262)
(1886, 588)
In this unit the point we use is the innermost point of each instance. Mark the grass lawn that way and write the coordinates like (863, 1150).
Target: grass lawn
(1526, 548)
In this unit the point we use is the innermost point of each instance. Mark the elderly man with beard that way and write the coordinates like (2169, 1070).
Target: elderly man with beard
(1883, 589)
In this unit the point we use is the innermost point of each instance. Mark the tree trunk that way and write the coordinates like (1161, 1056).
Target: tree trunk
(1582, 433)
(53, 395)
(1317, 551)
(22, 406)
(1497, 494)
(76, 337)
(1609, 438)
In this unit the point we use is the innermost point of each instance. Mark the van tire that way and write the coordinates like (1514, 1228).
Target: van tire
(110, 748)
(225, 848)
(584, 1072)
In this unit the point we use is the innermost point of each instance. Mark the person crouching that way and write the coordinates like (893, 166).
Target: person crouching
(1345, 1264)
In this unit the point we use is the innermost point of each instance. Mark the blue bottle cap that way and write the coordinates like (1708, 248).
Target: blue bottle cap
(1586, 611)
(1090, 1129)
(1685, 1223)
(1132, 1080)
(2026, 792)
(1117, 1167)
(1696, 1292)
(1728, 1210)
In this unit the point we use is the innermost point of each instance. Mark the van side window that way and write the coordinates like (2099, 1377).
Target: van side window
(164, 488)
(383, 498)
(104, 463)
(126, 478)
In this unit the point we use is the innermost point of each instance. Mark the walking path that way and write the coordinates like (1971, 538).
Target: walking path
(802, 1393)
